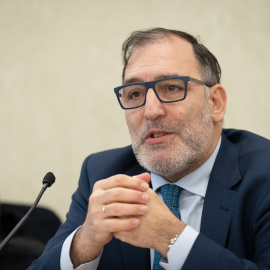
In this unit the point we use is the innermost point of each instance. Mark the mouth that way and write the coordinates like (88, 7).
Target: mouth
(157, 135)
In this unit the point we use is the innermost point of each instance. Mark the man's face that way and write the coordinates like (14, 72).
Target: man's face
(169, 139)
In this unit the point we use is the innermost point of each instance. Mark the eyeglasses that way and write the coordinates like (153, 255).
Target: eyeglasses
(167, 90)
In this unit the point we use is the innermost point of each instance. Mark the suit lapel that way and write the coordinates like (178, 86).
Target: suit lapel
(220, 196)
(217, 212)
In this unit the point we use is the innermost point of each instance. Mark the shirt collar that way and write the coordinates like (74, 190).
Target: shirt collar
(195, 182)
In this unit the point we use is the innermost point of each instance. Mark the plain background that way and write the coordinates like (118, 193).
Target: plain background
(59, 63)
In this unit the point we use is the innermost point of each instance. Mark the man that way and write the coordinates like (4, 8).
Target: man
(174, 107)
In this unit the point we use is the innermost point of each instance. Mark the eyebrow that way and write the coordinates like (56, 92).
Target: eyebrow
(137, 80)
(133, 80)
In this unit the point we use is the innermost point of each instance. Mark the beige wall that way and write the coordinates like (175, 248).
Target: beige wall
(59, 62)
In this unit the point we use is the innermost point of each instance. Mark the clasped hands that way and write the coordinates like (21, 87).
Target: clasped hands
(126, 208)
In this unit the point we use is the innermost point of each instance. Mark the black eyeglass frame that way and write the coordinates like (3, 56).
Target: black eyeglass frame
(152, 85)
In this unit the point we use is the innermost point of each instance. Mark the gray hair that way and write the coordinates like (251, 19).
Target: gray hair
(209, 66)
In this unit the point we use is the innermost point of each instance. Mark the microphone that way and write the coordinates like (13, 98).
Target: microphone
(48, 180)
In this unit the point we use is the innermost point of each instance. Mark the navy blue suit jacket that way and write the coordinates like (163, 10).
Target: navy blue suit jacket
(235, 225)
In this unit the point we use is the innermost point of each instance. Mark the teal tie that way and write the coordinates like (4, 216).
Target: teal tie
(170, 195)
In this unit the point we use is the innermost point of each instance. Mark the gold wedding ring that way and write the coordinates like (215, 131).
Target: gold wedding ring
(104, 209)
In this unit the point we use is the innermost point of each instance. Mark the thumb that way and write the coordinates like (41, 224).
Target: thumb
(145, 177)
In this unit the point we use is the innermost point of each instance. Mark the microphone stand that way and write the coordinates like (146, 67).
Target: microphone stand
(47, 182)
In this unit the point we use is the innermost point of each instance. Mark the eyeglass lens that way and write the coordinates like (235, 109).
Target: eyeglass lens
(167, 90)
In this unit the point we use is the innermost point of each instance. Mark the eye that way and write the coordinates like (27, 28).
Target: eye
(135, 94)
(174, 88)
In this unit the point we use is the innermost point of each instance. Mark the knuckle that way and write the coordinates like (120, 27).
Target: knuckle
(109, 194)
(92, 198)
(98, 185)
(113, 209)
(113, 194)
(116, 209)
(117, 180)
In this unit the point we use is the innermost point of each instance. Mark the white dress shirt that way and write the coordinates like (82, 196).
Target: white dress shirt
(191, 202)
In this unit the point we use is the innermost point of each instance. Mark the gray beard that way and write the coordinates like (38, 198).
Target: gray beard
(180, 156)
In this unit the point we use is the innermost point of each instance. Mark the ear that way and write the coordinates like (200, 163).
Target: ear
(218, 102)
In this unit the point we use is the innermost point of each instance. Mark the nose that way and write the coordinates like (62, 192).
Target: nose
(153, 108)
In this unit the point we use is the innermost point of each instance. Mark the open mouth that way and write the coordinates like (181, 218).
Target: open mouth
(157, 135)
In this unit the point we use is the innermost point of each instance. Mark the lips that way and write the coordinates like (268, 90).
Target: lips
(157, 136)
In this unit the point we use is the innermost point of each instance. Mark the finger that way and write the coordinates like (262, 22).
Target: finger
(111, 225)
(122, 181)
(144, 176)
(121, 209)
(120, 194)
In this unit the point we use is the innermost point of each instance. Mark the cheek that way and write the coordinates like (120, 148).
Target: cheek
(177, 111)
(133, 121)
(187, 113)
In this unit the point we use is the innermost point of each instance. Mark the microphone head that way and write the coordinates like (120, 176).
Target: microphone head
(49, 179)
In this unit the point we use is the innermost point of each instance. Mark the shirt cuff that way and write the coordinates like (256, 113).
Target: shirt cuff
(65, 261)
(179, 252)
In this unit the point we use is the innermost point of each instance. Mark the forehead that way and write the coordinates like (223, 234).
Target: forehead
(165, 56)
